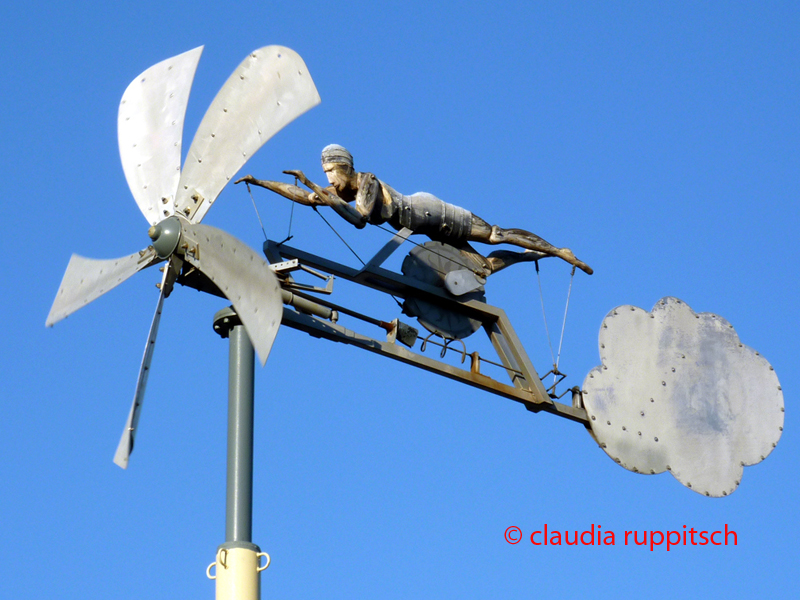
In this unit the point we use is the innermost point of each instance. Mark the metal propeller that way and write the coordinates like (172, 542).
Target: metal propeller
(268, 90)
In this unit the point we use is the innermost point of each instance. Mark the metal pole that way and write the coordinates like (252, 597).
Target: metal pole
(239, 499)
(238, 563)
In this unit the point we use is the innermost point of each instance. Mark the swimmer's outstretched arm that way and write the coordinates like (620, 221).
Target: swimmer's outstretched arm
(287, 190)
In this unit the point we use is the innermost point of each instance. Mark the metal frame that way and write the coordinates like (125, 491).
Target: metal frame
(526, 386)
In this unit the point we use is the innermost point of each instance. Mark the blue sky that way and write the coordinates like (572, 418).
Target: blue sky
(657, 140)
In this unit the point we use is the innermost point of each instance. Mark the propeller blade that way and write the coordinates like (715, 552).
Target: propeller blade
(266, 92)
(126, 441)
(87, 279)
(150, 129)
(243, 276)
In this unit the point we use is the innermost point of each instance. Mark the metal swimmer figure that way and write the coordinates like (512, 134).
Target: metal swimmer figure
(361, 198)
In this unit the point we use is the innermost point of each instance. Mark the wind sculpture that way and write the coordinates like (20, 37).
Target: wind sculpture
(675, 391)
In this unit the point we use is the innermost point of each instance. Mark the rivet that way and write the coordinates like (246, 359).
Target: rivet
(689, 485)
(651, 400)
(608, 422)
(641, 412)
(669, 468)
(603, 445)
(707, 494)
(655, 438)
(640, 434)
(724, 493)
(624, 428)
(595, 418)
(780, 388)
(673, 369)
(780, 428)
(652, 472)
(664, 383)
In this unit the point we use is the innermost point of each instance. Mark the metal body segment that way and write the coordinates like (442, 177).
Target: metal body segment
(150, 130)
(268, 90)
(87, 279)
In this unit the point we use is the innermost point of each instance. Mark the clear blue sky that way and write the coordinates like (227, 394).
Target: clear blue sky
(658, 140)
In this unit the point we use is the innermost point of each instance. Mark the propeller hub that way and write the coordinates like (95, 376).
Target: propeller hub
(166, 236)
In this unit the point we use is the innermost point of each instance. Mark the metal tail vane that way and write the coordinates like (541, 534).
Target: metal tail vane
(269, 89)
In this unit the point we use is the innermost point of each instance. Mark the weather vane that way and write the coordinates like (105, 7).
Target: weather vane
(675, 391)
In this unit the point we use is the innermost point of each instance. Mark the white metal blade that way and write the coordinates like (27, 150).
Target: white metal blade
(150, 129)
(126, 441)
(243, 276)
(87, 279)
(267, 91)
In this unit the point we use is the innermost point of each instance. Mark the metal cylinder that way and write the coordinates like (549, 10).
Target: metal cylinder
(239, 509)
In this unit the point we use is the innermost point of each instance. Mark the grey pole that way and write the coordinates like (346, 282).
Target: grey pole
(241, 371)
